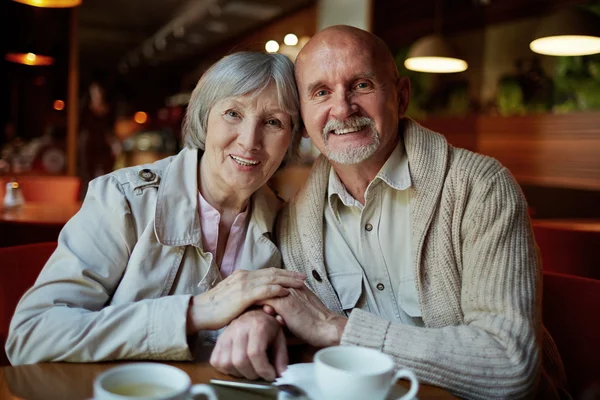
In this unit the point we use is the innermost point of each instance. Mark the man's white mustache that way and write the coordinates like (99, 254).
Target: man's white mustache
(352, 122)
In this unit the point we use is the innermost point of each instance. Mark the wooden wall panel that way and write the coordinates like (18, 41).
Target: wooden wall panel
(460, 132)
(546, 150)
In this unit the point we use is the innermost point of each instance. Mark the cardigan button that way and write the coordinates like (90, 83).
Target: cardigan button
(147, 175)
(316, 275)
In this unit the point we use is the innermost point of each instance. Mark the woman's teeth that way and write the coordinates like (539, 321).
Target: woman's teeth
(243, 161)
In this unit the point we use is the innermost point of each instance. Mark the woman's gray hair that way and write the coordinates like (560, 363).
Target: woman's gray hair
(237, 75)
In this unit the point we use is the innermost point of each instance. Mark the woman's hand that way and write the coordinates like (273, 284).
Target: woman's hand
(218, 306)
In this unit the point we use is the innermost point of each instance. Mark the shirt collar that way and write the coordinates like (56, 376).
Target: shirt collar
(395, 173)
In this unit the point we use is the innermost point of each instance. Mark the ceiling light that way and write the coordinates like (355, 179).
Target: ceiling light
(433, 54)
(272, 46)
(570, 33)
(29, 59)
(50, 3)
(290, 39)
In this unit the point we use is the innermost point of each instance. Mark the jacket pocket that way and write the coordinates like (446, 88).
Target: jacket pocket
(349, 288)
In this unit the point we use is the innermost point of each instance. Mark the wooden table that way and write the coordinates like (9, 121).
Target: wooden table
(74, 381)
(34, 222)
(571, 224)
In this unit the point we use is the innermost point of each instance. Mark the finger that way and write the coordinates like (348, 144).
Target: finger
(275, 279)
(266, 292)
(240, 360)
(220, 358)
(281, 272)
(280, 353)
(280, 320)
(257, 354)
(269, 310)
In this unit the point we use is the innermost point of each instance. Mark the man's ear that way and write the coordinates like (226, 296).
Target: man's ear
(304, 131)
(403, 95)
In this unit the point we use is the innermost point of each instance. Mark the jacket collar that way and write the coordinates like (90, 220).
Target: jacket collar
(176, 219)
(427, 153)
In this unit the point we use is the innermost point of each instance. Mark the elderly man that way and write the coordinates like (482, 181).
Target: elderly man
(411, 246)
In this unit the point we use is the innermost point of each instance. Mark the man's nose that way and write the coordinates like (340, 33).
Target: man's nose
(250, 135)
(343, 106)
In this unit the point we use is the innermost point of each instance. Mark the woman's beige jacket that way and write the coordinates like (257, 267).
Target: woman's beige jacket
(111, 290)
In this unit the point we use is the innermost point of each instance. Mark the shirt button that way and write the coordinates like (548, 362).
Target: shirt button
(380, 286)
(316, 275)
(147, 175)
(369, 227)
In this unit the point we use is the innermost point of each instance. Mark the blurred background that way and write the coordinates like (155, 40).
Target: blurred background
(94, 85)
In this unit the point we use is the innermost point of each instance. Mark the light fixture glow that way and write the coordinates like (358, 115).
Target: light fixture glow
(140, 117)
(59, 105)
(29, 59)
(290, 39)
(50, 3)
(438, 65)
(566, 45)
(433, 54)
(573, 32)
(272, 46)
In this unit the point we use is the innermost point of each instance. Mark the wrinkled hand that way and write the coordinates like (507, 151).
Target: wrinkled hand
(241, 349)
(307, 317)
(216, 307)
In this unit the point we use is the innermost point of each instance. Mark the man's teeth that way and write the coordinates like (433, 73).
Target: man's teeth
(347, 130)
(243, 161)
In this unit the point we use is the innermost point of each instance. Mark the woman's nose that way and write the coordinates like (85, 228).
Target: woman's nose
(250, 137)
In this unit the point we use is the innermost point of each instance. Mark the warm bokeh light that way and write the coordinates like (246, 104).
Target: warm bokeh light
(29, 59)
(566, 45)
(435, 64)
(140, 117)
(59, 105)
(15, 185)
(50, 3)
(290, 39)
(272, 46)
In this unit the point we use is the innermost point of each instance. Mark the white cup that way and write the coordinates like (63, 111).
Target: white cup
(148, 381)
(357, 373)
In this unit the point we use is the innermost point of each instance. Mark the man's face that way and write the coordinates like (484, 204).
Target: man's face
(349, 100)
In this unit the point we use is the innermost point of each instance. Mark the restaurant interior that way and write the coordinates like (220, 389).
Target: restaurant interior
(90, 86)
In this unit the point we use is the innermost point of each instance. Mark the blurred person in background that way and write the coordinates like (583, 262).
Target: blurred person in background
(162, 256)
(96, 136)
(410, 246)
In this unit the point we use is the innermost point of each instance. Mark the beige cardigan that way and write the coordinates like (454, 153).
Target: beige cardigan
(476, 268)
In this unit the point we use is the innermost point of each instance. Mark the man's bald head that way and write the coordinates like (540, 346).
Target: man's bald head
(340, 35)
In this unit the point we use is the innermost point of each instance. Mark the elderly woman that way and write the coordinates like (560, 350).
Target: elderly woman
(161, 255)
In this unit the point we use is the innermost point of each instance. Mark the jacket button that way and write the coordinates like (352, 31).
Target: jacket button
(147, 175)
(369, 227)
(316, 275)
(380, 286)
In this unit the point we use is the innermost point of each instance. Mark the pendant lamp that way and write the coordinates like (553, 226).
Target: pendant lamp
(50, 3)
(568, 33)
(432, 53)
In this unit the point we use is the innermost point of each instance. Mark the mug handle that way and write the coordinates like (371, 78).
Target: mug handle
(204, 389)
(414, 383)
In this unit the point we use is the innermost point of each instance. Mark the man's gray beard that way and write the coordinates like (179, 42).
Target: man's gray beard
(352, 155)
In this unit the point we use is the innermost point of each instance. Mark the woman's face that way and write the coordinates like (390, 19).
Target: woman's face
(246, 140)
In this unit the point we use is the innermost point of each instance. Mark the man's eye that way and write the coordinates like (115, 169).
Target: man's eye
(321, 93)
(362, 85)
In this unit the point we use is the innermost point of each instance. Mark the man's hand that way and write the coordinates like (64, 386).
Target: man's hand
(307, 317)
(241, 349)
(216, 307)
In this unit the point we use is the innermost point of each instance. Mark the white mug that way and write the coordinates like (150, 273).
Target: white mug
(356, 373)
(148, 381)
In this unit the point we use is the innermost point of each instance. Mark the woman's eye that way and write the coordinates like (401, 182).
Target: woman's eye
(274, 122)
(232, 113)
